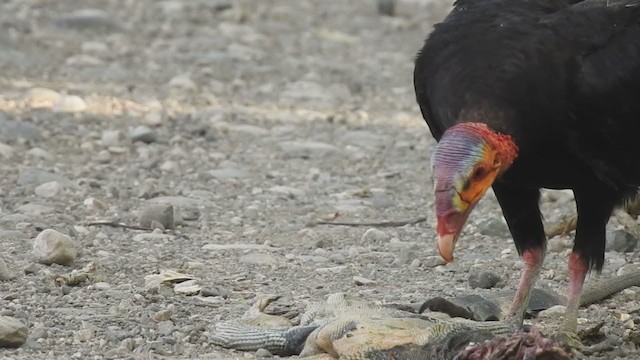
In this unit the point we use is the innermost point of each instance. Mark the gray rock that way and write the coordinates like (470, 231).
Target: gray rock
(6, 151)
(112, 138)
(361, 281)
(35, 177)
(313, 94)
(210, 292)
(53, 247)
(364, 139)
(166, 328)
(31, 269)
(49, 189)
(621, 241)
(307, 149)
(159, 213)
(483, 279)
(552, 312)
(263, 353)
(337, 258)
(35, 209)
(493, 226)
(12, 129)
(386, 7)
(258, 259)
(433, 261)
(39, 333)
(558, 244)
(70, 104)
(39, 153)
(375, 236)
(13, 333)
(162, 315)
(87, 19)
(42, 98)
(144, 134)
(183, 82)
(4, 271)
(102, 286)
(228, 173)
(287, 191)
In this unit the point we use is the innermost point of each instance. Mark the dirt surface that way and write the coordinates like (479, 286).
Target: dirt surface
(252, 119)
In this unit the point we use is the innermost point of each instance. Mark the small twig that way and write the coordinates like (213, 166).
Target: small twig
(119, 225)
(375, 224)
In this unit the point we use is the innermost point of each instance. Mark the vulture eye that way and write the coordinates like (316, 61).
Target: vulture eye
(479, 173)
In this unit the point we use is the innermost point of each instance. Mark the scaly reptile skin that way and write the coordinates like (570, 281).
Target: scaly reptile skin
(350, 329)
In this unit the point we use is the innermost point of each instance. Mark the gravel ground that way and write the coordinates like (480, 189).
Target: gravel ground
(252, 119)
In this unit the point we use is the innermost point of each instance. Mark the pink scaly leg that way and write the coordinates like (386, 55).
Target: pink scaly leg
(532, 260)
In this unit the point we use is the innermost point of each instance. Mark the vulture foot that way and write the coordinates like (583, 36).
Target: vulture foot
(570, 338)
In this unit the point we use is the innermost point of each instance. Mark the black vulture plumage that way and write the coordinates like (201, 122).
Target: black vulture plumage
(530, 94)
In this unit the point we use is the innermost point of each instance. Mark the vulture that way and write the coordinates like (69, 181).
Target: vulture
(529, 94)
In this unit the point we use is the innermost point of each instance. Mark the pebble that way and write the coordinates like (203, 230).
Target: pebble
(210, 292)
(39, 153)
(86, 19)
(189, 287)
(49, 189)
(559, 244)
(375, 236)
(362, 281)
(84, 335)
(553, 312)
(162, 315)
(112, 138)
(337, 258)
(483, 279)
(53, 247)
(39, 97)
(39, 333)
(162, 214)
(144, 134)
(35, 177)
(432, 261)
(386, 7)
(153, 118)
(94, 204)
(12, 130)
(4, 271)
(288, 191)
(307, 149)
(228, 173)
(70, 104)
(182, 82)
(493, 226)
(6, 151)
(13, 333)
(313, 94)
(258, 259)
(35, 209)
(263, 353)
(102, 286)
(621, 241)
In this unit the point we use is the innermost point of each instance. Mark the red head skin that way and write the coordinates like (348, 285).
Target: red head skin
(465, 163)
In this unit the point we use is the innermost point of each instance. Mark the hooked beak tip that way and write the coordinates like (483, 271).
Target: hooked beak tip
(446, 244)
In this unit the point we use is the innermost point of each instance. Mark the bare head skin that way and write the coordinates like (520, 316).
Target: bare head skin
(465, 163)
